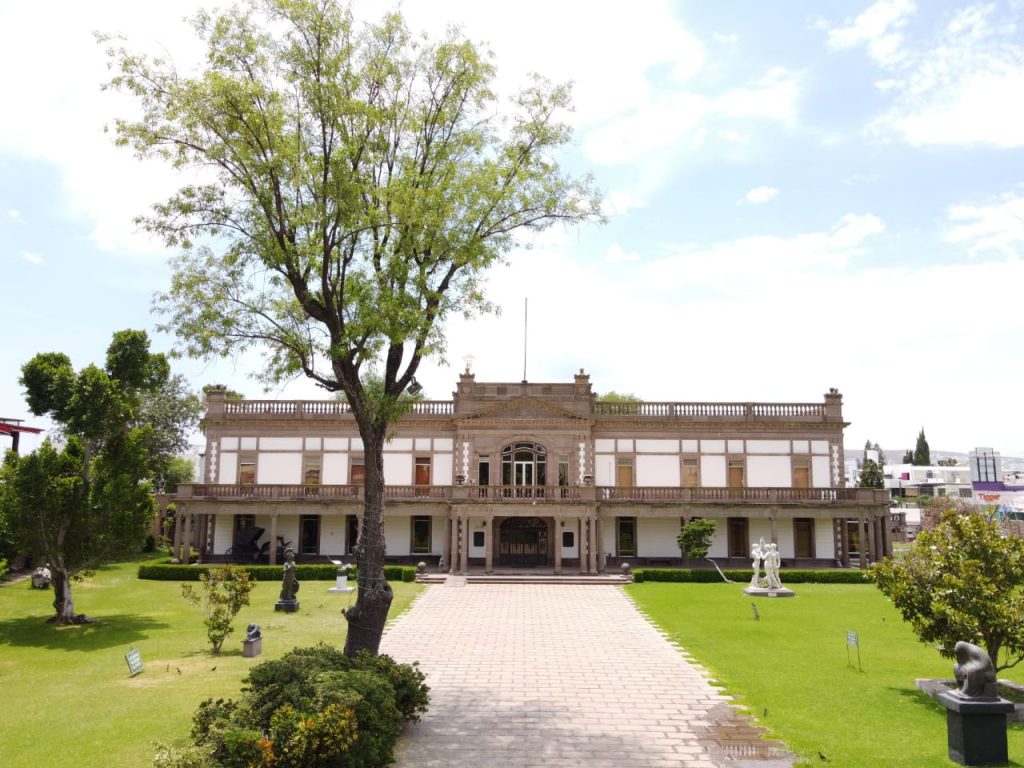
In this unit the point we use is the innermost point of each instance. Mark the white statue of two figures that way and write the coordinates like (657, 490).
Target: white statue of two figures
(768, 556)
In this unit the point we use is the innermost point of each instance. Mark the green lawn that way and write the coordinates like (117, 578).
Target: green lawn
(790, 668)
(68, 697)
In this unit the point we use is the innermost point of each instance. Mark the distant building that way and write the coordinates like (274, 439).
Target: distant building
(992, 486)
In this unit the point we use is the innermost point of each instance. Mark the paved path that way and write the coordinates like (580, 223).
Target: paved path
(560, 675)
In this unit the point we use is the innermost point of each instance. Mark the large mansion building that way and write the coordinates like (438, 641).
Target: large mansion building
(543, 475)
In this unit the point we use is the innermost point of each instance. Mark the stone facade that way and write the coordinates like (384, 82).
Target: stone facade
(516, 475)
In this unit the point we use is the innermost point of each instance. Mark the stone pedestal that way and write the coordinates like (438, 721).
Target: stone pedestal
(288, 606)
(251, 648)
(765, 592)
(976, 729)
(341, 585)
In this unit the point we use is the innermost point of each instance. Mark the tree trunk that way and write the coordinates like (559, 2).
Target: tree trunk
(62, 603)
(367, 617)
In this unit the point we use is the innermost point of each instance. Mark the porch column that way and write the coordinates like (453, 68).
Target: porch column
(464, 552)
(489, 543)
(273, 539)
(211, 534)
(844, 539)
(592, 541)
(872, 525)
(599, 538)
(179, 515)
(862, 529)
(774, 528)
(887, 530)
(453, 542)
(558, 545)
(186, 539)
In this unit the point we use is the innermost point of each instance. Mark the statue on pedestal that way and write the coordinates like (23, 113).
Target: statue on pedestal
(287, 601)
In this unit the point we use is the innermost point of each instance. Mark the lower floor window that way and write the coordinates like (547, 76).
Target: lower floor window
(803, 535)
(421, 535)
(627, 536)
(244, 521)
(309, 534)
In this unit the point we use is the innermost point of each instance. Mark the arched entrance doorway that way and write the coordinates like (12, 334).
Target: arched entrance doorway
(523, 541)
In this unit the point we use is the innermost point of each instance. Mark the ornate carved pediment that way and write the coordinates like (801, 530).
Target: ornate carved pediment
(521, 408)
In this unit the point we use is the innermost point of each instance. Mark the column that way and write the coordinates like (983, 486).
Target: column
(872, 525)
(179, 516)
(592, 541)
(464, 541)
(186, 539)
(862, 529)
(453, 542)
(489, 543)
(775, 527)
(211, 534)
(273, 539)
(558, 545)
(599, 538)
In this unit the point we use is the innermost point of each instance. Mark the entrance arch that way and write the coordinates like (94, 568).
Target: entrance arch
(523, 541)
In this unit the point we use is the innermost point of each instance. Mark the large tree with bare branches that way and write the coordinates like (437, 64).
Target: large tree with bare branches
(358, 182)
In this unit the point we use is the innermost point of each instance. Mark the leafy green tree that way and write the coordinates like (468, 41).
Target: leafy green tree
(908, 457)
(922, 454)
(961, 581)
(616, 397)
(871, 475)
(696, 537)
(222, 593)
(361, 181)
(172, 411)
(75, 507)
(178, 470)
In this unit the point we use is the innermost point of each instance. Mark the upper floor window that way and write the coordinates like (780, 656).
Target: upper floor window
(735, 477)
(691, 473)
(357, 471)
(422, 476)
(247, 470)
(311, 470)
(524, 464)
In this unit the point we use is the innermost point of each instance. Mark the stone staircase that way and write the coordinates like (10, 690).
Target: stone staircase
(513, 577)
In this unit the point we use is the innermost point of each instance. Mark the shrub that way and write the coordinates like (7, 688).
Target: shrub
(167, 571)
(695, 538)
(3, 567)
(318, 709)
(223, 593)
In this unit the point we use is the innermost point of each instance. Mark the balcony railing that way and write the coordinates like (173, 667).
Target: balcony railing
(300, 409)
(512, 494)
(750, 495)
(746, 411)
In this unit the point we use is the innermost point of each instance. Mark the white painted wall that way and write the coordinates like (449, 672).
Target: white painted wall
(438, 533)
(332, 535)
(441, 472)
(604, 469)
(397, 469)
(227, 468)
(787, 544)
(657, 446)
(767, 446)
(656, 537)
(658, 471)
(399, 444)
(824, 544)
(287, 528)
(607, 535)
(712, 471)
(821, 474)
(397, 535)
(474, 527)
(604, 446)
(769, 472)
(280, 443)
(335, 468)
(223, 533)
(278, 468)
(720, 542)
(574, 550)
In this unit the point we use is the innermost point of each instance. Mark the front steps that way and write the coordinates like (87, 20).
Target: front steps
(523, 578)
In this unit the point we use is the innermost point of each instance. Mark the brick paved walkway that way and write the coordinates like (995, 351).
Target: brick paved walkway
(560, 675)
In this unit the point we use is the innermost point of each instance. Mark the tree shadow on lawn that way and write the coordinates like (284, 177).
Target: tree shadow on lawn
(105, 632)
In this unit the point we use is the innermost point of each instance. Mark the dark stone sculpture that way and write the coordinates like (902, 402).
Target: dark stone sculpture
(287, 601)
(252, 632)
(975, 715)
(974, 672)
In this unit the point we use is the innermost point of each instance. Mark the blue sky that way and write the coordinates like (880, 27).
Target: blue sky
(800, 195)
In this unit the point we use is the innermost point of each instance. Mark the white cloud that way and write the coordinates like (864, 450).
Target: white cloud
(14, 214)
(617, 255)
(759, 196)
(997, 227)
(620, 203)
(877, 28)
(32, 257)
(730, 38)
(956, 88)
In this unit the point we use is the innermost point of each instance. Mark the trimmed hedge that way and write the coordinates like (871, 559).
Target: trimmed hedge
(304, 572)
(741, 575)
